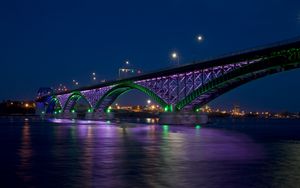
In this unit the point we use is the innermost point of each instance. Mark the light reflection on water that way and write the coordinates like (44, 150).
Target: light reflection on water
(76, 153)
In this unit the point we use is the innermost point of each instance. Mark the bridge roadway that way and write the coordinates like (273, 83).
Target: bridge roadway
(184, 88)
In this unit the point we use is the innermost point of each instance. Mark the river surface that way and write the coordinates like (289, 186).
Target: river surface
(228, 153)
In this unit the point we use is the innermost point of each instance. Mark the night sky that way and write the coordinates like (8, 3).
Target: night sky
(45, 43)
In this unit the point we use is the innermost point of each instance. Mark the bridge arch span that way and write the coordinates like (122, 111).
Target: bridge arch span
(234, 79)
(110, 96)
(52, 103)
(73, 99)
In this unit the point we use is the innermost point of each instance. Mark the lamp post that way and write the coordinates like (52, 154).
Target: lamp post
(148, 104)
(94, 76)
(75, 83)
(199, 38)
(175, 57)
(124, 69)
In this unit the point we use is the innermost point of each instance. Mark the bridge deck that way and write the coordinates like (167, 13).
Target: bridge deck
(219, 61)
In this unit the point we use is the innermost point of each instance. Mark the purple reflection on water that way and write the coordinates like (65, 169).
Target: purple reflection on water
(97, 153)
(82, 122)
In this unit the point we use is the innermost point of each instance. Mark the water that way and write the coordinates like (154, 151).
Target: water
(58, 153)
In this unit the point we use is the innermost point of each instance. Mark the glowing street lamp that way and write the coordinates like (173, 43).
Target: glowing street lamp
(75, 83)
(199, 38)
(94, 76)
(175, 57)
(148, 101)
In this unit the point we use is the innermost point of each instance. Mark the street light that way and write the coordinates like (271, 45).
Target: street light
(148, 101)
(175, 57)
(127, 62)
(94, 76)
(199, 38)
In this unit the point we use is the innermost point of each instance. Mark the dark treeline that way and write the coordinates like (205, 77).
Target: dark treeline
(17, 107)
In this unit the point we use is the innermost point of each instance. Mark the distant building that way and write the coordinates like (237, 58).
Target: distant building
(236, 110)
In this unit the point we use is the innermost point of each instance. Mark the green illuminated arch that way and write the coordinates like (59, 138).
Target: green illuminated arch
(122, 88)
(54, 100)
(77, 95)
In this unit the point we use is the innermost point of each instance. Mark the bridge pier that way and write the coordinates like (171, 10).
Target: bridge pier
(40, 108)
(99, 115)
(69, 115)
(89, 115)
(183, 118)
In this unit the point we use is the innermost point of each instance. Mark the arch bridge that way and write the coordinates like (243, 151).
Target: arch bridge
(187, 87)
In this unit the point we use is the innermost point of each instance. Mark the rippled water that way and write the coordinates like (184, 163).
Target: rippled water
(58, 153)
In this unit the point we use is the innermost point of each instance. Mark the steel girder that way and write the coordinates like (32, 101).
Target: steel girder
(174, 88)
(192, 88)
(235, 78)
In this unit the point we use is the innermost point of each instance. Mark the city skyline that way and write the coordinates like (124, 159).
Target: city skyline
(47, 44)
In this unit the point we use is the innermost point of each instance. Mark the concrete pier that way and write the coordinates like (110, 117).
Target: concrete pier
(99, 115)
(69, 115)
(183, 118)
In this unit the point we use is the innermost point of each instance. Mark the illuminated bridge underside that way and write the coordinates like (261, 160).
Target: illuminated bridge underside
(188, 87)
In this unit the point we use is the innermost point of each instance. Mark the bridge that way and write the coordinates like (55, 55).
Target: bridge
(184, 88)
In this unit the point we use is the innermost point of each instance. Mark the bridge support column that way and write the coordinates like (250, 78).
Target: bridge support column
(183, 118)
(58, 115)
(100, 115)
(69, 115)
(89, 115)
(40, 108)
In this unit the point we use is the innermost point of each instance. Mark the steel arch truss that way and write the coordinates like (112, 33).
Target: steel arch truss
(226, 82)
(94, 95)
(110, 96)
(72, 100)
(177, 87)
(52, 104)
